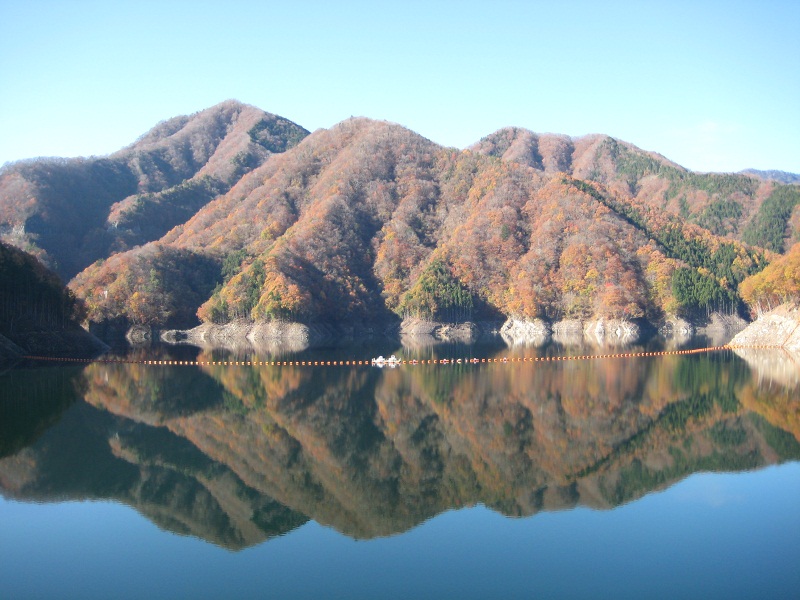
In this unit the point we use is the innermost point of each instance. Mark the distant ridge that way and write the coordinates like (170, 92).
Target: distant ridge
(779, 176)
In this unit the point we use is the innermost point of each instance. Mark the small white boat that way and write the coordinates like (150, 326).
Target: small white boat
(392, 361)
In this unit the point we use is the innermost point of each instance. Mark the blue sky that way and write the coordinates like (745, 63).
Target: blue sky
(714, 86)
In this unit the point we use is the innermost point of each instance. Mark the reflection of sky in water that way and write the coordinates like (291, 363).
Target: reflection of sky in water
(709, 536)
(714, 492)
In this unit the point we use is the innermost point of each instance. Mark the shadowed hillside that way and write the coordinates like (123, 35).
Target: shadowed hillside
(38, 315)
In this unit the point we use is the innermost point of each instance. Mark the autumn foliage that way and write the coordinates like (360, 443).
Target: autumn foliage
(72, 212)
(154, 286)
(778, 283)
(368, 221)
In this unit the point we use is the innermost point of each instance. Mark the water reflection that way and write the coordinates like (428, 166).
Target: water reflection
(236, 454)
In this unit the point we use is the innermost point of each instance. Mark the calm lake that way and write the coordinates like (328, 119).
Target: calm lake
(672, 476)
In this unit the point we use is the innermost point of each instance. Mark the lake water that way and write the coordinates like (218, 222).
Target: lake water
(673, 476)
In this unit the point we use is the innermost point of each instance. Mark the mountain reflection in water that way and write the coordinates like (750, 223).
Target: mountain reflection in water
(238, 454)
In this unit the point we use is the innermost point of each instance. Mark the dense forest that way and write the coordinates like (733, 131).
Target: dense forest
(234, 213)
(777, 284)
(38, 314)
(31, 296)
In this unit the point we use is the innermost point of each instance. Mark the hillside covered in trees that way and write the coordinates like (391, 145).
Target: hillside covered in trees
(71, 212)
(37, 313)
(234, 213)
(778, 284)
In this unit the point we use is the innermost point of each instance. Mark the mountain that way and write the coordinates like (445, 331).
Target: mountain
(779, 176)
(727, 204)
(71, 212)
(368, 221)
(240, 214)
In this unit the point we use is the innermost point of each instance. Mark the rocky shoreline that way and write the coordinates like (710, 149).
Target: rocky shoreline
(274, 336)
(779, 328)
(269, 336)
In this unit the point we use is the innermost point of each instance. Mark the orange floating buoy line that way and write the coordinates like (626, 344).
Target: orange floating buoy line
(392, 362)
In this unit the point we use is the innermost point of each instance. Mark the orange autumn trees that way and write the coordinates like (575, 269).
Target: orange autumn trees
(581, 260)
(776, 284)
(368, 222)
(73, 212)
(156, 286)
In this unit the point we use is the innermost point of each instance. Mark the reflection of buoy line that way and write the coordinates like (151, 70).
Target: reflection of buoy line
(392, 361)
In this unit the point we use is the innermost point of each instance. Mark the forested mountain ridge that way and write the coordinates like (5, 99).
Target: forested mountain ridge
(71, 212)
(369, 221)
(727, 204)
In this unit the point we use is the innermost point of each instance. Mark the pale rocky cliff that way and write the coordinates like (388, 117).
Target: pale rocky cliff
(779, 328)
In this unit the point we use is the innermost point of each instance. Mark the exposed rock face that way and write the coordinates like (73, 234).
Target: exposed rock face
(246, 335)
(721, 328)
(568, 332)
(461, 332)
(611, 332)
(273, 337)
(139, 334)
(675, 327)
(779, 327)
(516, 332)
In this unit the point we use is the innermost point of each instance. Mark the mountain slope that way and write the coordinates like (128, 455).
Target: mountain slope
(726, 204)
(38, 315)
(779, 176)
(370, 221)
(71, 212)
(235, 213)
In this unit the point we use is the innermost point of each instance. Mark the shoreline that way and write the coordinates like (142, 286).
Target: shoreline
(286, 336)
(74, 342)
(600, 332)
(778, 328)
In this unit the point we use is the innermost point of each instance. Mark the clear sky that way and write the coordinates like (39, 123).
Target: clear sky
(714, 86)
